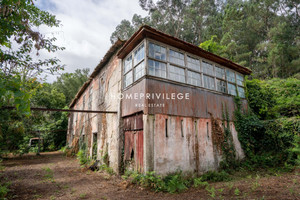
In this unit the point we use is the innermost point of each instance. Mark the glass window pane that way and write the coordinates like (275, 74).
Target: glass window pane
(193, 63)
(209, 82)
(220, 72)
(231, 89)
(194, 78)
(230, 76)
(139, 54)
(127, 64)
(208, 68)
(157, 68)
(239, 79)
(176, 57)
(128, 79)
(176, 74)
(157, 52)
(241, 91)
(139, 71)
(221, 86)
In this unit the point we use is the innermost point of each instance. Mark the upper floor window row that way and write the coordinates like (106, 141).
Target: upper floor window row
(165, 62)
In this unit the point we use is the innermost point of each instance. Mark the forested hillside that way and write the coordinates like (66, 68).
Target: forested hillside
(263, 35)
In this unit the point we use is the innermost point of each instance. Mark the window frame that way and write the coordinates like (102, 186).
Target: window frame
(186, 68)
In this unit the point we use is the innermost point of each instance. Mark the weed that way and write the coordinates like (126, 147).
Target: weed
(200, 182)
(4, 190)
(73, 191)
(82, 196)
(211, 190)
(216, 176)
(52, 197)
(82, 157)
(255, 184)
(48, 175)
(172, 183)
(237, 192)
(106, 168)
(37, 196)
(230, 185)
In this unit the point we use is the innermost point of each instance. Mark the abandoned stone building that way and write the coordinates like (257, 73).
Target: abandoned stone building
(165, 100)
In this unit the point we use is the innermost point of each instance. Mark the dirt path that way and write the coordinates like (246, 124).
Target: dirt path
(54, 176)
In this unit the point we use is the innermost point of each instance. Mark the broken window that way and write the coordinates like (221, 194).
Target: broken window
(194, 78)
(157, 51)
(208, 68)
(193, 63)
(209, 82)
(176, 74)
(158, 69)
(221, 86)
(176, 57)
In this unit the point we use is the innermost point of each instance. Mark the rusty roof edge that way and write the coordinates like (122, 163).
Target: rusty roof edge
(132, 38)
(112, 50)
(146, 28)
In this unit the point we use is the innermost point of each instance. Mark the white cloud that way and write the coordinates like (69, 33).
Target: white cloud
(86, 28)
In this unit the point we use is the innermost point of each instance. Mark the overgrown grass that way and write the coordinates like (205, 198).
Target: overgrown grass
(174, 183)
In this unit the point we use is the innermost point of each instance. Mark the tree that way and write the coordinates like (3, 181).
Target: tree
(261, 35)
(69, 83)
(18, 41)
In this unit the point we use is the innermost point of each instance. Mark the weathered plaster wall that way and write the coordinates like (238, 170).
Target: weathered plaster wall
(189, 149)
(105, 89)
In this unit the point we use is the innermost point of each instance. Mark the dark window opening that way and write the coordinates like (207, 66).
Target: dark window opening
(132, 155)
(207, 127)
(182, 128)
(166, 126)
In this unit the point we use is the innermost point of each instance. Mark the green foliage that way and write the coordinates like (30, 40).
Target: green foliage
(172, 183)
(262, 35)
(199, 182)
(69, 83)
(82, 157)
(266, 143)
(3, 190)
(216, 176)
(229, 154)
(106, 168)
(261, 99)
(212, 46)
(271, 98)
(296, 148)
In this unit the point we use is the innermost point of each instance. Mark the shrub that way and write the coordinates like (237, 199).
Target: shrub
(3, 191)
(215, 176)
(82, 157)
(172, 183)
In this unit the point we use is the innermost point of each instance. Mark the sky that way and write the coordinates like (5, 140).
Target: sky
(86, 26)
